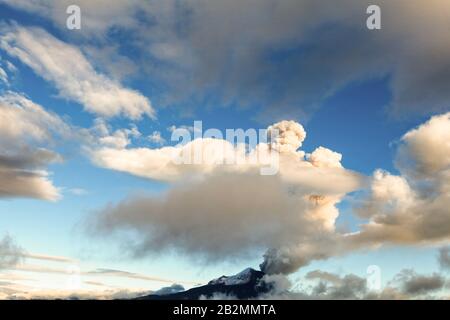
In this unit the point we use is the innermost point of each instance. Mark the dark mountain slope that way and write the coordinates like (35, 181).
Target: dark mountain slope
(247, 284)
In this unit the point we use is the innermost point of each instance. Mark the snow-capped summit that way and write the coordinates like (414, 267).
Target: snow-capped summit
(242, 277)
(247, 284)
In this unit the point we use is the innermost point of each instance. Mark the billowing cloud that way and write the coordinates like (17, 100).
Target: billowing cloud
(211, 218)
(203, 156)
(216, 210)
(70, 72)
(291, 214)
(288, 136)
(25, 129)
(412, 208)
(425, 151)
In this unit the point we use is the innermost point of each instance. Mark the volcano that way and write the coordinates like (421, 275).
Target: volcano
(248, 284)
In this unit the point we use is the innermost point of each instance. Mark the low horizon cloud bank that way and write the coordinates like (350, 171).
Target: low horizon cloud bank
(322, 285)
(316, 284)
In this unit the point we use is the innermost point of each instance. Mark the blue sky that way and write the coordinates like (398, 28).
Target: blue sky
(354, 100)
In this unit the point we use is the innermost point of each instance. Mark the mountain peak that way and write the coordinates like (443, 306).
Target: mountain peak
(246, 284)
(245, 276)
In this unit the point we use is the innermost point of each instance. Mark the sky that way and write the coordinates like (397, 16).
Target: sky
(92, 202)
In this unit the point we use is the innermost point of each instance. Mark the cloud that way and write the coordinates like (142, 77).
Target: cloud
(25, 130)
(45, 257)
(101, 134)
(283, 59)
(425, 151)
(216, 211)
(162, 163)
(10, 252)
(110, 61)
(349, 286)
(412, 208)
(207, 218)
(3, 76)
(26, 184)
(292, 214)
(173, 128)
(97, 16)
(416, 285)
(218, 296)
(100, 272)
(203, 156)
(288, 136)
(14, 258)
(323, 157)
(78, 191)
(155, 137)
(322, 285)
(288, 258)
(280, 57)
(75, 78)
(444, 258)
(30, 293)
(23, 119)
(125, 274)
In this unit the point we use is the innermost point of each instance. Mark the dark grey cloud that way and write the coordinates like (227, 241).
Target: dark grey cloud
(414, 284)
(26, 130)
(214, 220)
(285, 56)
(319, 284)
(30, 159)
(290, 55)
(332, 286)
(22, 175)
(282, 57)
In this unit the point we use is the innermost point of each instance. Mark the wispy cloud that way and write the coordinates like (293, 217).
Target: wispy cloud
(70, 72)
